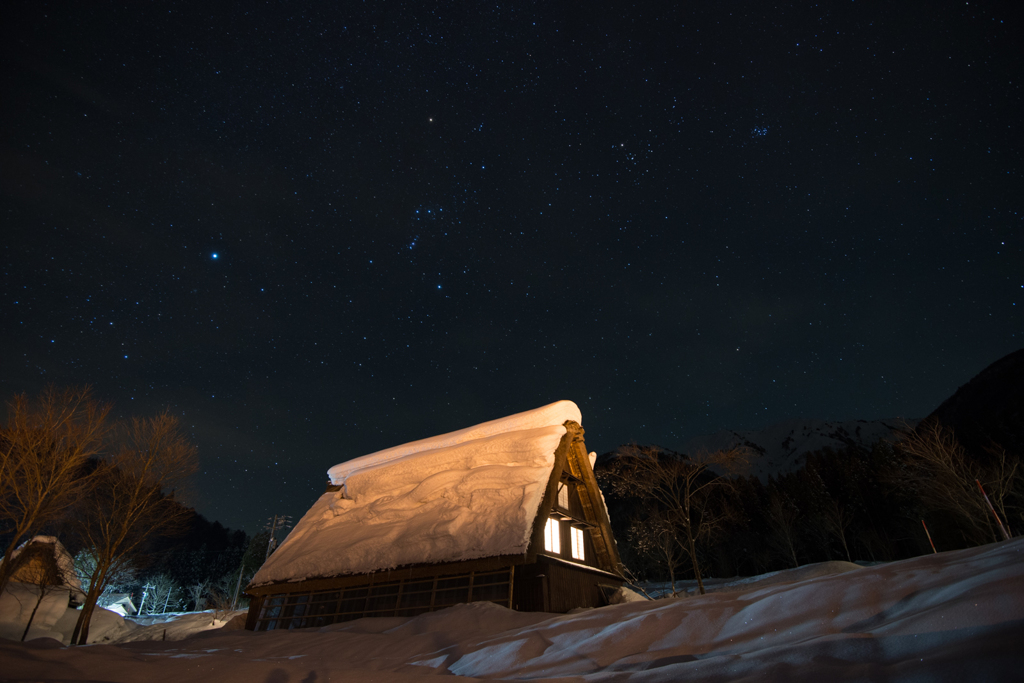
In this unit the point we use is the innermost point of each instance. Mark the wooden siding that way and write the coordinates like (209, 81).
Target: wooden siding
(554, 585)
(402, 598)
(414, 571)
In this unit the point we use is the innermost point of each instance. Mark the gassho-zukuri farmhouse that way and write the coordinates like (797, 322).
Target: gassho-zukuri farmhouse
(507, 511)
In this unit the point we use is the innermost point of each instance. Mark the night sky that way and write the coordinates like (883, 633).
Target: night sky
(318, 232)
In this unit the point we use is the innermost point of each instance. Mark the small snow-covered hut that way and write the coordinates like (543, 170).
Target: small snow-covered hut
(43, 588)
(507, 511)
(121, 603)
(44, 561)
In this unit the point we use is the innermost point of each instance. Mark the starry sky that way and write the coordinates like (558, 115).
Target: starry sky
(315, 230)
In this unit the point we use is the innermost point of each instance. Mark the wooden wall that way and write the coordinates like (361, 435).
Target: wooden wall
(550, 585)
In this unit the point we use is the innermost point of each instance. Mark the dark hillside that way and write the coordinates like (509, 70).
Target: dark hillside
(989, 408)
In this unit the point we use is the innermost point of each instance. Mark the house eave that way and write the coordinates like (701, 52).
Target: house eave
(410, 571)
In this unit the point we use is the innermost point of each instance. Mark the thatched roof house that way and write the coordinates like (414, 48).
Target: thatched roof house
(507, 511)
(43, 561)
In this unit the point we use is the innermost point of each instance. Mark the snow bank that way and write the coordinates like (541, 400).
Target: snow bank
(53, 618)
(956, 616)
(464, 495)
(180, 625)
(17, 604)
(717, 585)
(104, 627)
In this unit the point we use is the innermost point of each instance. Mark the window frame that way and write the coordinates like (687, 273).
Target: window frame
(562, 499)
(578, 543)
(553, 536)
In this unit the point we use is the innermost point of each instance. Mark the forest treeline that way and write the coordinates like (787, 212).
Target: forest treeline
(887, 502)
(204, 566)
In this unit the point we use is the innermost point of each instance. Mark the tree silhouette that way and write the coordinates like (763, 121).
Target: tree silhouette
(45, 447)
(684, 496)
(129, 503)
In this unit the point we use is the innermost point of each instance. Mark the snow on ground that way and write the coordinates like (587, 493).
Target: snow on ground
(956, 616)
(180, 625)
(463, 495)
(51, 617)
(663, 589)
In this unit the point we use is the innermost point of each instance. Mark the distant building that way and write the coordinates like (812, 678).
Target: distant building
(507, 511)
(120, 603)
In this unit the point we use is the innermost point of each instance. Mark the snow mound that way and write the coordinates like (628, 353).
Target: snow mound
(626, 594)
(717, 585)
(22, 603)
(464, 495)
(178, 626)
(953, 616)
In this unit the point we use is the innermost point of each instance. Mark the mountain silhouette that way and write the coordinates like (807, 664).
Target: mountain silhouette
(989, 409)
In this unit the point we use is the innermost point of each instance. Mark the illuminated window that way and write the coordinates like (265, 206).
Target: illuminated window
(577, 543)
(563, 495)
(552, 541)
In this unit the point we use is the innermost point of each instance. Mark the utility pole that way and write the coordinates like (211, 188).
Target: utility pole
(145, 592)
(238, 587)
(270, 541)
(277, 522)
(273, 524)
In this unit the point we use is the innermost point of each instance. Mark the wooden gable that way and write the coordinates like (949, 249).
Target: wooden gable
(585, 511)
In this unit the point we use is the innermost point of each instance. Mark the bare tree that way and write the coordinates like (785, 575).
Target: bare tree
(163, 592)
(942, 474)
(118, 580)
(656, 538)
(45, 446)
(782, 519)
(130, 502)
(837, 521)
(1004, 481)
(198, 592)
(220, 600)
(681, 489)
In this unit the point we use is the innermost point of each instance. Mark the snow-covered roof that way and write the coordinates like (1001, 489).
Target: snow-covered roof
(464, 495)
(65, 565)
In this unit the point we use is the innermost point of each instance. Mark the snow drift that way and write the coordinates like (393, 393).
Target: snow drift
(956, 616)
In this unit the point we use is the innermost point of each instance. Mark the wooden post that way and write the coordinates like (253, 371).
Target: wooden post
(1006, 536)
(511, 584)
(929, 537)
